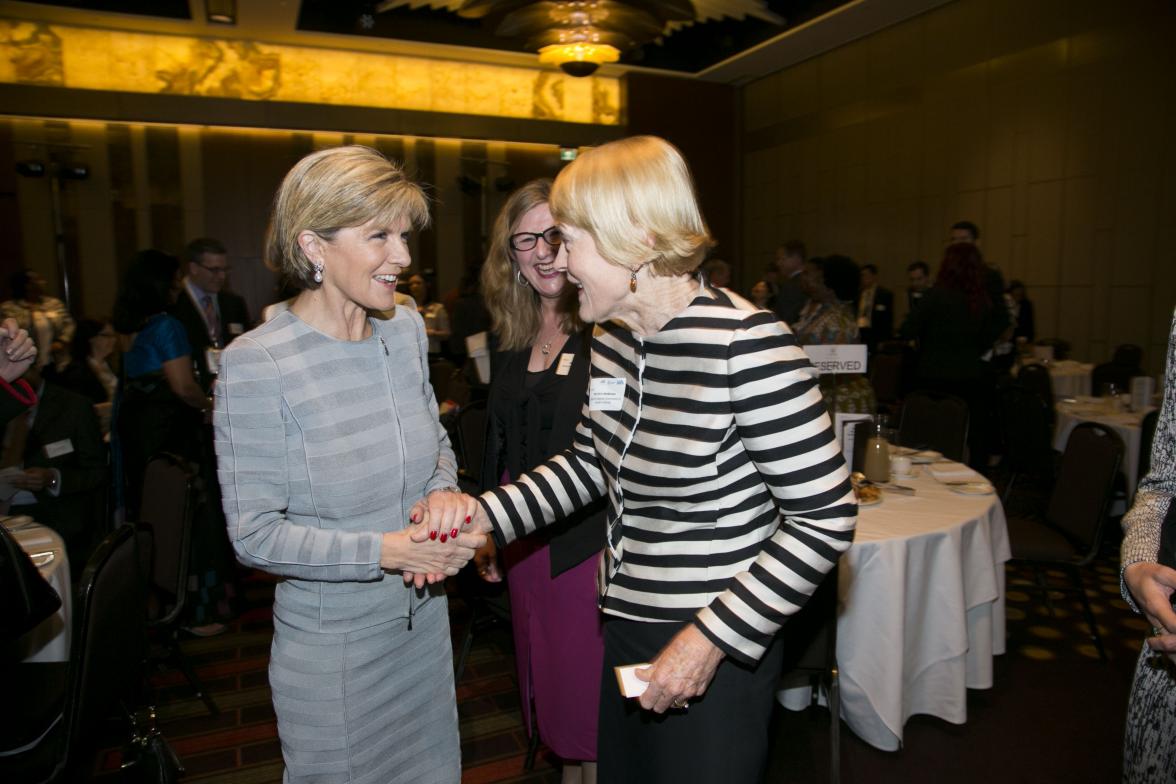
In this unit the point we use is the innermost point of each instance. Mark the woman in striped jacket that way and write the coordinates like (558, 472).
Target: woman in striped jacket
(705, 430)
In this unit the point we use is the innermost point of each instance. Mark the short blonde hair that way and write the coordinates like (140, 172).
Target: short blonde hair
(335, 189)
(636, 199)
(514, 308)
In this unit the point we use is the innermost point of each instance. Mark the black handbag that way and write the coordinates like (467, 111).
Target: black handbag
(147, 758)
(28, 598)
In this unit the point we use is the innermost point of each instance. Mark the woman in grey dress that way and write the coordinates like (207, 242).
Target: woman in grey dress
(328, 443)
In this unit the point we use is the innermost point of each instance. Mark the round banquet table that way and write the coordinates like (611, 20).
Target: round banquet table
(49, 641)
(1101, 409)
(922, 594)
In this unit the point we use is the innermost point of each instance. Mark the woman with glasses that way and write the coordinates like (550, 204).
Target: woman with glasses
(539, 377)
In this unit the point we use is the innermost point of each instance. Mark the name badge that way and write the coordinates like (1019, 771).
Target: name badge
(606, 394)
(236, 329)
(565, 364)
(212, 359)
(59, 448)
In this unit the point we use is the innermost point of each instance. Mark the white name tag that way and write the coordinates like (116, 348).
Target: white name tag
(212, 357)
(236, 329)
(59, 448)
(565, 364)
(606, 394)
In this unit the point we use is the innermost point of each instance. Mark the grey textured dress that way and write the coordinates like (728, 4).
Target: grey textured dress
(322, 446)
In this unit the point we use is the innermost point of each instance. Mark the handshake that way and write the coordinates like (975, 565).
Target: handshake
(446, 529)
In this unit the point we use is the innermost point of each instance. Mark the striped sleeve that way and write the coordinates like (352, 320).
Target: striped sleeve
(251, 465)
(551, 491)
(784, 429)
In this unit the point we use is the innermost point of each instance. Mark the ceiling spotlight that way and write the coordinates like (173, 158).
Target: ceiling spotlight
(221, 11)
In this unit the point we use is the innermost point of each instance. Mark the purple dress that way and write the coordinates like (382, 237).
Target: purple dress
(559, 647)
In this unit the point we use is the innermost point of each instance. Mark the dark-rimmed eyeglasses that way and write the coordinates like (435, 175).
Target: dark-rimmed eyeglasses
(526, 240)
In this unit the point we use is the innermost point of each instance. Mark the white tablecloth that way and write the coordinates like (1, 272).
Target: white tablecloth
(1126, 424)
(48, 642)
(923, 609)
(1068, 377)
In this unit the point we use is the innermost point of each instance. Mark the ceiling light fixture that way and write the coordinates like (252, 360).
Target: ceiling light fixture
(579, 59)
(221, 11)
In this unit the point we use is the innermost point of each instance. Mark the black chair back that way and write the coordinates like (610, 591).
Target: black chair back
(471, 436)
(1128, 355)
(1035, 378)
(1110, 373)
(448, 382)
(167, 507)
(886, 376)
(109, 639)
(934, 421)
(1147, 435)
(1026, 430)
(1078, 504)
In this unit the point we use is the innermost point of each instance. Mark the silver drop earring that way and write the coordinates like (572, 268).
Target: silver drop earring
(318, 272)
(519, 276)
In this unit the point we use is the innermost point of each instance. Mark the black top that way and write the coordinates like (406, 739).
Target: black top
(532, 416)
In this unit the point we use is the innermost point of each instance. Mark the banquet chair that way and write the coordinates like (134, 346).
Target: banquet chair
(810, 649)
(1026, 430)
(935, 421)
(1036, 379)
(1110, 373)
(53, 708)
(167, 507)
(471, 445)
(1070, 535)
(1128, 355)
(886, 373)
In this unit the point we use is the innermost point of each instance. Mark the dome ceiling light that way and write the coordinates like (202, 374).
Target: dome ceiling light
(579, 36)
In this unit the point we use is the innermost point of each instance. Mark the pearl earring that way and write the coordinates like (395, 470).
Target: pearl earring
(318, 272)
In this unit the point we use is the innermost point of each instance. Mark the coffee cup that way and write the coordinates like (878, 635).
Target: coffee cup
(900, 465)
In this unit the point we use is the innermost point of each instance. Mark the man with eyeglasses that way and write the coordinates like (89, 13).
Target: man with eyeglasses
(211, 316)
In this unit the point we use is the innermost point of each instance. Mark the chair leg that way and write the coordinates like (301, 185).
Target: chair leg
(1008, 493)
(1080, 584)
(1039, 578)
(177, 657)
(467, 642)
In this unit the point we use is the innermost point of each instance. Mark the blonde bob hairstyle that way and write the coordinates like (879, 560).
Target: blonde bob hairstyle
(636, 199)
(514, 307)
(335, 189)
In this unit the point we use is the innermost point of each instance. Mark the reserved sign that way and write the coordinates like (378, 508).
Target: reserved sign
(850, 358)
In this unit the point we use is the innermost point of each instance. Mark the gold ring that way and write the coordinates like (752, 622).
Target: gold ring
(681, 704)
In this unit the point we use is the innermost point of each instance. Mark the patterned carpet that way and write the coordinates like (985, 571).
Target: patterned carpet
(1051, 695)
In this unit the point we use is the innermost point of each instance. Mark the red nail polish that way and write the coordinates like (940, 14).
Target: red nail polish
(413, 517)
(467, 522)
(453, 534)
(432, 534)
(443, 537)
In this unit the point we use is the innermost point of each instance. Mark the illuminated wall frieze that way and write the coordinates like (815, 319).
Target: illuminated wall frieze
(52, 55)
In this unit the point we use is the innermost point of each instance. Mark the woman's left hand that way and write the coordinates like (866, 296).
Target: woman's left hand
(682, 671)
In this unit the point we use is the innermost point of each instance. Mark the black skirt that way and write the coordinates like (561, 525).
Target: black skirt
(721, 736)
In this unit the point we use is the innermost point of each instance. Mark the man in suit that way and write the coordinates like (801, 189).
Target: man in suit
(919, 277)
(59, 446)
(875, 309)
(790, 297)
(211, 316)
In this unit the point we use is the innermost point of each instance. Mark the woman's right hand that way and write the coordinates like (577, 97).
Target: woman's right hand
(1152, 587)
(486, 561)
(402, 553)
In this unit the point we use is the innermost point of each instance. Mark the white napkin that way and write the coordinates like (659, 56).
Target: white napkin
(954, 472)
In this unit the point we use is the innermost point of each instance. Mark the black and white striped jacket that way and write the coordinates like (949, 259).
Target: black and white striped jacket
(729, 497)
